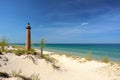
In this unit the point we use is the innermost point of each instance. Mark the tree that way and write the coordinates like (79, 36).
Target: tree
(42, 45)
(3, 43)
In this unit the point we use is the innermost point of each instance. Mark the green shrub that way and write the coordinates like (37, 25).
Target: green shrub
(105, 59)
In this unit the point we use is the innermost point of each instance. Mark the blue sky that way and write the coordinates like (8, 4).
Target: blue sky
(61, 21)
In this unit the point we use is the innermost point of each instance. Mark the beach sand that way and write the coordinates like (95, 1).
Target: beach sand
(69, 68)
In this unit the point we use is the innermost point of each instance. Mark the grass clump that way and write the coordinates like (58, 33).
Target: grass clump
(35, 77)
(51, 60)
(20, 52)
(105, 59)
(31, 51)
(89, 56)
(3, 43)
(48, 58)
(16, 73)
(3, 74)
(111, 63)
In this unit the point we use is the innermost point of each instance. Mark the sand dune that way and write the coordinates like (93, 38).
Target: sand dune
(70, 69)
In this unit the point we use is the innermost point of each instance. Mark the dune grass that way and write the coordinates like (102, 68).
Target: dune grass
(21, 51)
(16, 73)
(49, 59)
(35, 77)
(105, 59)
(3, 43)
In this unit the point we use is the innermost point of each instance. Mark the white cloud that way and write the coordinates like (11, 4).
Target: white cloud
(84, 23)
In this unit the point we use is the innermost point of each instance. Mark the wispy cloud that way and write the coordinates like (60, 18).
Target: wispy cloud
(84, 23)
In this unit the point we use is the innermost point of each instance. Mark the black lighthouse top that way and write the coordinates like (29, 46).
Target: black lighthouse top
(28, 26)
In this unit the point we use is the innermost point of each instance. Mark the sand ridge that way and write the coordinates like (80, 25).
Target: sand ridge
(70, 69)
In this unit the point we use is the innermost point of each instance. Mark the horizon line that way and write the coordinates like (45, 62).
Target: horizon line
(67, 43)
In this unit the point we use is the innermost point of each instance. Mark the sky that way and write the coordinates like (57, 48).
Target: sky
(61, 21)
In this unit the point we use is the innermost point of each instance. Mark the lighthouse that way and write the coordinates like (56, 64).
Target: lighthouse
(28, 37)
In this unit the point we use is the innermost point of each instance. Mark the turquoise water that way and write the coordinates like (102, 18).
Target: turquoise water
(98, 50)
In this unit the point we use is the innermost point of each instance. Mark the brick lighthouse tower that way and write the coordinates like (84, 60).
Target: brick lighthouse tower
(28, 37)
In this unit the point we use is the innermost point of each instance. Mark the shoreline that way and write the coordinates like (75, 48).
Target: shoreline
(84, 54)
(70, 54)
(76, 56)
